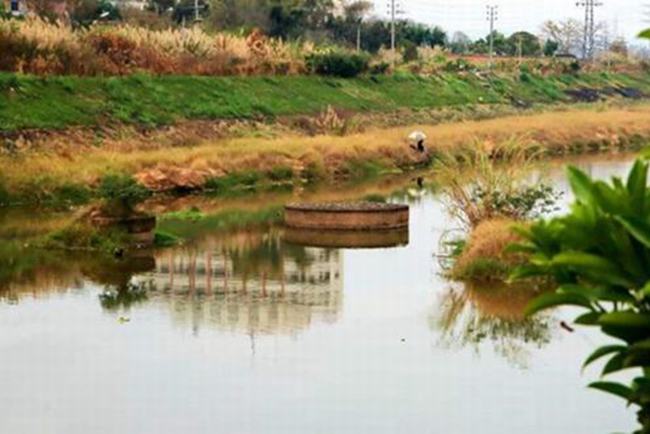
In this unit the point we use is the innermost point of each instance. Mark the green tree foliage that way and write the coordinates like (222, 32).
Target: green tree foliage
(409, 51)
(460, 43)
(524, 43)
(420, 34)
(185, 11)
(550, 48)
(338, 63)
(85, 12)
(235, 14)
(599, 256)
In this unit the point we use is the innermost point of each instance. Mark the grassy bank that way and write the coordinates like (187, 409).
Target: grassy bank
(29, 102)
(226, 165)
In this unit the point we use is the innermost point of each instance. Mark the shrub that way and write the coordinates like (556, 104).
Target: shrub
(122, 188)
(280, 173)
(79, 236)
(484, 257)
(338, 63)
(485, 182)
(410, 52)
(41, 47)
(380, 68)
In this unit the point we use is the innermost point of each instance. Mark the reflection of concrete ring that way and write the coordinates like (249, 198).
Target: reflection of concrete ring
(347, 216)
(331, 238)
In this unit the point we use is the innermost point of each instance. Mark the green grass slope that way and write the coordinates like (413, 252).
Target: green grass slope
(58, 102)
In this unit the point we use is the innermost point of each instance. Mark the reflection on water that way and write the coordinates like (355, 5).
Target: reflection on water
(471, 315)
(253, 283)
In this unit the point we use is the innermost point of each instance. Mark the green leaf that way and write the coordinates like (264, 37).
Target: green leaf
(601, 352)
(520, 248)
(626, 319)
(615, 364)
(553, 299)
(525, 271)
(645, 34)
(628, 326)
(581, 185)
(616, 389)
(588, 319)
(639, 229)
(637, 183)
(594, 266)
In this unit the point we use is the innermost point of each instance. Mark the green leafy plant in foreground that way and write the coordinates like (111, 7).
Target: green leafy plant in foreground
(599, 257)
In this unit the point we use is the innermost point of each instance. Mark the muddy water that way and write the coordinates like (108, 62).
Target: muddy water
(240, 331)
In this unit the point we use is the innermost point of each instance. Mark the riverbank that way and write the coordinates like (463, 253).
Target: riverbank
(60, 102)
(71, 174)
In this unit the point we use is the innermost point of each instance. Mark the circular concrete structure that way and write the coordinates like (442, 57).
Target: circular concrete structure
(346, 216)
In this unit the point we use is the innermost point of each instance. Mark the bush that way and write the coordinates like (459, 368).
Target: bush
(410, 52)
(122, 188)
(598, 255)
(338, 63)
(380, 68)
(484, 257)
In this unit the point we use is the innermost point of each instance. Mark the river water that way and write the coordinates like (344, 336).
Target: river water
(239, 331)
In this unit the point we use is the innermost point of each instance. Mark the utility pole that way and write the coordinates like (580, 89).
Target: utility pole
(359, 35)
(393, 11)
(492, 16)
(196, 11)
(588, 42)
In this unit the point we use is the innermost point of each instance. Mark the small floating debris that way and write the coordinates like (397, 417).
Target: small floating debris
(347, 216)
(123, 319)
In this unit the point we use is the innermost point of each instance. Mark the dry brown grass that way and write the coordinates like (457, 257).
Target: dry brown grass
(40, 47)
(557, 133)
(484, 256)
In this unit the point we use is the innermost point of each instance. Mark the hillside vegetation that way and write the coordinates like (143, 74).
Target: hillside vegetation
(56, 102)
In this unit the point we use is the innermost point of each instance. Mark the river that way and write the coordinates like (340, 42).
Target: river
(239, 331)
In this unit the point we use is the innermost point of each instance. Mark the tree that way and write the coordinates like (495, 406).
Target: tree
(500, 42)
(357, 10)
(568, 34)
(85, 12)
(421, 34)
(524, 43)
(234, 14)
(619, 46)
(185, 11)
(290, 19)
(460, 43)
(550, 47)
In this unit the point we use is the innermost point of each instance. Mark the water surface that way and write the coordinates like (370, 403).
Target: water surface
(242, 332)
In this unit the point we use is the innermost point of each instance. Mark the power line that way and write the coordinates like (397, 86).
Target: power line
(588, 42)
(394, 9)
(492, 16)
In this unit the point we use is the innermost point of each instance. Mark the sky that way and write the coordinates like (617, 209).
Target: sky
(624, 17)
